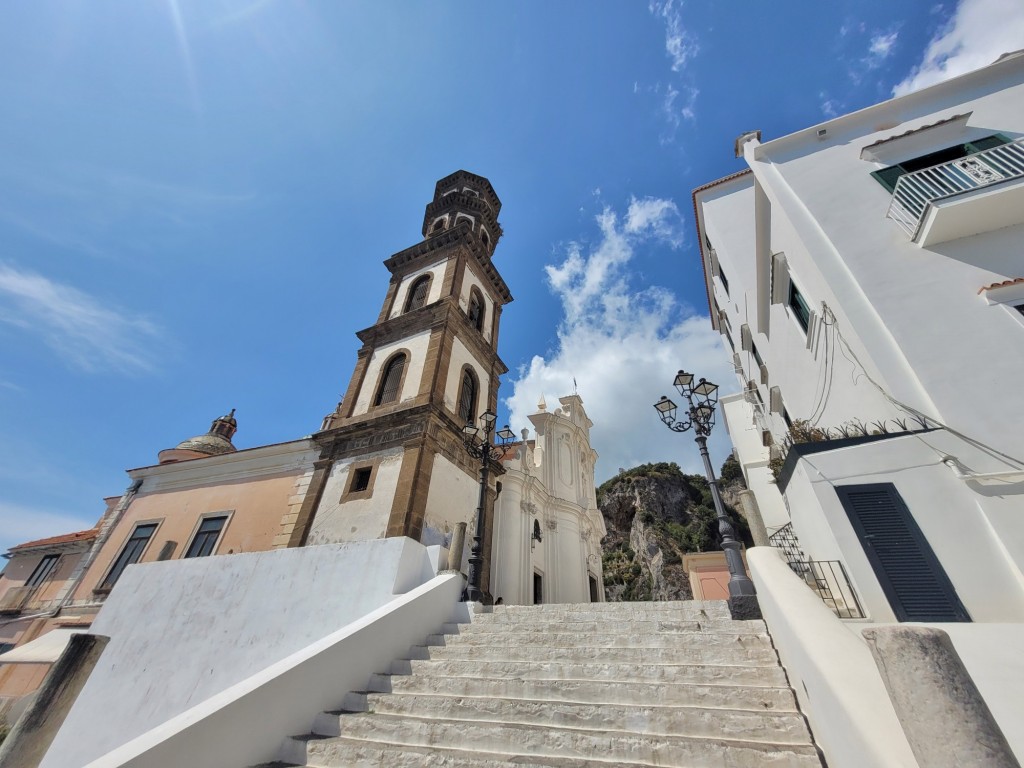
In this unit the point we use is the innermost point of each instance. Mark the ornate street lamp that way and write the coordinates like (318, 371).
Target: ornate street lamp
(478, 443)
(701, 401)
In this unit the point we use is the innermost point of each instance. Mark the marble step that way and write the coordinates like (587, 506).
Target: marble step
(602, 640)
(733, 674)
(355, 753)
(650, 719)
(758, 698)
(681, 610)
(568, 653)
(611, 625)
(539, 740)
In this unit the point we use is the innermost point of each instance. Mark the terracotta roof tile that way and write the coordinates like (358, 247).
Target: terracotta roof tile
(66, 538)
(1003, 284)
(918, 129)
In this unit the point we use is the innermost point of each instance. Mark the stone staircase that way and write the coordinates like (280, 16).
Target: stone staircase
(603, 684)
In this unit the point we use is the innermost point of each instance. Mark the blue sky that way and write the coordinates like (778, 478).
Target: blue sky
(196, 197)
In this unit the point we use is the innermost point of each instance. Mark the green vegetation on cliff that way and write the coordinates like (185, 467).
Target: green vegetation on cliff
(656, 513)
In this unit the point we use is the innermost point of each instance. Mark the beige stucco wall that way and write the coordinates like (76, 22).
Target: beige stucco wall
(256, 507)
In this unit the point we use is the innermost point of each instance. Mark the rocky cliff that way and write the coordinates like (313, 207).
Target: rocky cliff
(655, 514)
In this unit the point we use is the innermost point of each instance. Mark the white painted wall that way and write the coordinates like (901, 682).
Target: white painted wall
(462, 356)
(247, 723)
(187, 630)
(831, 670)
(337, 520)
(917, 309)
(417, 347)
(976, 532)
(745, 433)
(451, 499)
(436, 272)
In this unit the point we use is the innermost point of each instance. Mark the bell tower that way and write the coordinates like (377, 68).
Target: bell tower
(392, 459)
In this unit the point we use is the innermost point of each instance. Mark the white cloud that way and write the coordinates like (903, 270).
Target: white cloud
(84, 332)
(19, 524)
(680, 43)
(829, 107)
(882, 45)
(674, 113)
(682, 47)
(977, 34)
(622, 344)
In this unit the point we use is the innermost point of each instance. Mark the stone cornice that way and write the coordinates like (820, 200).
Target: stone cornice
(413, 257)
(459, 201)
(426, 422)
(429, 318)
(252, 462)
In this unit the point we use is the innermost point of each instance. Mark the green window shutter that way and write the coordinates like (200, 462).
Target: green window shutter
(980, 145)
(907, 569)
(887, 177)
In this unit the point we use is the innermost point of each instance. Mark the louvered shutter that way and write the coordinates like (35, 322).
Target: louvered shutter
(907, 569)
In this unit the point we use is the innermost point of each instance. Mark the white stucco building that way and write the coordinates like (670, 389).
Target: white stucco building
(867, 277)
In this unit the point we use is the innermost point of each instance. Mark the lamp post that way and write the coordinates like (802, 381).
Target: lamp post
(701, 400)
(478, 443)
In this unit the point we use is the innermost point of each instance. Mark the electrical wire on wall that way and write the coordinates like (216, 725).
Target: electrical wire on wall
(909, 409)
(829, 359)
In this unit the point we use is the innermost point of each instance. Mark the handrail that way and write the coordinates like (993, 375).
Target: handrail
(914, 192)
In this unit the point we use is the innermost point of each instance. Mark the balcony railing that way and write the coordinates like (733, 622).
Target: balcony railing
(826, 577)
(914, 191)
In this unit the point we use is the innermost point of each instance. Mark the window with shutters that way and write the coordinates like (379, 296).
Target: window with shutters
(418, 293)
(725, 281)
(476, 308)
(907, 569)
(206, 536)
(390, 382)
(798, 304)
(467, 398)
(42, 571)
(130, 553)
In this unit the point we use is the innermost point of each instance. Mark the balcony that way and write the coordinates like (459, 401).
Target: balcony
(967, 196)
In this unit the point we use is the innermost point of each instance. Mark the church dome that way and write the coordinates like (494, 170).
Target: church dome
(214, 443)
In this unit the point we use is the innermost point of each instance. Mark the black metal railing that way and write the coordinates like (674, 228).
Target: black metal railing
(826, 577)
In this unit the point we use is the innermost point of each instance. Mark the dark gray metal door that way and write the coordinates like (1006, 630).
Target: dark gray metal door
(910, 574)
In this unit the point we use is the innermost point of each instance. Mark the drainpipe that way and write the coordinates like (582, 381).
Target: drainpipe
(105, 530)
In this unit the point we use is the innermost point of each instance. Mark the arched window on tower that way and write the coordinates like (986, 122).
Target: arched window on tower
(438, 225)
(390, 381)
(418, 293)
(476, 308)
(484, 237)
(467, 398)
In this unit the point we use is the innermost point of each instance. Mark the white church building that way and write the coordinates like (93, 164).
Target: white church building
(867, 278)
